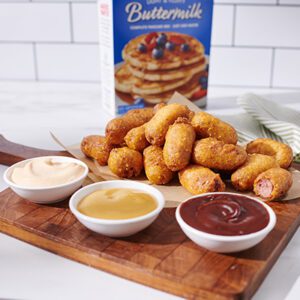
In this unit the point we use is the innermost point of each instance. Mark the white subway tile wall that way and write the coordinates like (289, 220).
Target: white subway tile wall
(274, 26)
(222, 33)
(85, 22)
(255, 42)
(17, 61)
(75, 62)
(240, 66)
(34, 22)
(287, 68)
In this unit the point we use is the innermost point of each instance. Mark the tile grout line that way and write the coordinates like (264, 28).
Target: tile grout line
(296, 48)
(256, 4)
(253, 86)
(272, 67)
(216, 3)
(35, 62)
(233, 26)
(255, 47)
(283, 88)
(49, 42)
(71, 22)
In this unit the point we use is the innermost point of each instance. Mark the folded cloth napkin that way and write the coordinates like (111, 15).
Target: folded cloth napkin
(275, 121)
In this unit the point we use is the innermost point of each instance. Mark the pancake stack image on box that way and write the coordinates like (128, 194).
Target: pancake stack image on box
(158, 64)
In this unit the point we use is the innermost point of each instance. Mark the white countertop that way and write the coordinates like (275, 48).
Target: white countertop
(27, 112)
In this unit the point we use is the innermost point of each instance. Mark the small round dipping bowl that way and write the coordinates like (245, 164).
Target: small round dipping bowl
(46, 195)
(222, 243)
(117, 228)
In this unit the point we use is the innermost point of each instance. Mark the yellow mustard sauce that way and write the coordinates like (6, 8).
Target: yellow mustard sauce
(117, 204)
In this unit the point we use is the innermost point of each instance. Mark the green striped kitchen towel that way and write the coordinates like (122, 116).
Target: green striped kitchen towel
(275, 121)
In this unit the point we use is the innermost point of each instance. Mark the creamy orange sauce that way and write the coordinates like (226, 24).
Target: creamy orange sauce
(46, 172)
(117, 204)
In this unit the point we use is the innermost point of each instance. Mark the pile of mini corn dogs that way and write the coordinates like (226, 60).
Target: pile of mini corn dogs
(171, 139)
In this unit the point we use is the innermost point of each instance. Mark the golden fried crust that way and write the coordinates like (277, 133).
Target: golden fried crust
(125, 162)
(179, 144)
(156, 129)
(198, 180)
(158, 106)
(155, 168)
(243, 178)
(282, 152)
(215, 154)
(97, 147)
(273, 184)
(207, 125)
(135, 138)
(117, 128)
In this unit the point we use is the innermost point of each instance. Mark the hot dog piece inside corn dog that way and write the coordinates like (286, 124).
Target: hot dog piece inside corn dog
(273, 184)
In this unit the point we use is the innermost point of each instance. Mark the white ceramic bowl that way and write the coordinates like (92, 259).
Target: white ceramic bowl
(46, 195)
(222, 243)
(117, 228)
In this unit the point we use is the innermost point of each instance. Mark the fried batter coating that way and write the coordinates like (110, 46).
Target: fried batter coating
(273, 184)
(135, 138)
(197, 180)
(215, 154)
(117, 128)
(97, 147)
(158, 106)
(156, 129)
(125, 162)
(282, 152)
(179, 143)
(155, 168)
(243, 178)
(207, 125)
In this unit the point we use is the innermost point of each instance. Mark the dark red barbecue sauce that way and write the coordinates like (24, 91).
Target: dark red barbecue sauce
(225, 214)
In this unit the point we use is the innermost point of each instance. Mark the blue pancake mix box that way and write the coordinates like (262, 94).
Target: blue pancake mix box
(151, 48)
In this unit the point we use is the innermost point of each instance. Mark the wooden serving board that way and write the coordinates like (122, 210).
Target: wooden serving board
(160, 256)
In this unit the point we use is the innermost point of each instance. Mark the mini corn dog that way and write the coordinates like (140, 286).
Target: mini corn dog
(243, 178)
(199, 180)
(97, 147)
(135, 138)
(215, 154)
(207, 125)
(156, 129)
(282, 152)
(125, 162)
(178, 147)
(155, 168)
(117, 128)
(273, 184)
